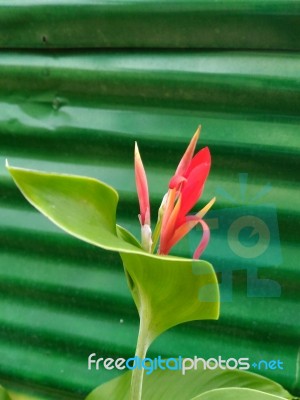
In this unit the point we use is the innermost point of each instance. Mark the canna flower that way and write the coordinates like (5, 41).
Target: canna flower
(185, 189)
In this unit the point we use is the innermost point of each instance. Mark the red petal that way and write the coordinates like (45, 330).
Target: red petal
(190, 223)
(204, 240)
(176, 181)
(192, 190)
(142, 187)
(185, 161)
(202, 157)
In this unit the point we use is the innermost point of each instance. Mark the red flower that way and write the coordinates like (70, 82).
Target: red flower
(185, 188)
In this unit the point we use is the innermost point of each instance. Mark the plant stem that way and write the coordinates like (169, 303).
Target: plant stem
(138, 374)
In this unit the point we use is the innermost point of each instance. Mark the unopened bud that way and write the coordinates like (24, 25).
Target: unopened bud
(146, 234)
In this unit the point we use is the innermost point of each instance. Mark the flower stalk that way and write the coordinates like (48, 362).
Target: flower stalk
(141, 350)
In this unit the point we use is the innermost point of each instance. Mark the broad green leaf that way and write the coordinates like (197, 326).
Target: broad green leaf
(171, 290)
(173, 385)
(167, 290)
(236, 393)
(3, 394)
(83, 207)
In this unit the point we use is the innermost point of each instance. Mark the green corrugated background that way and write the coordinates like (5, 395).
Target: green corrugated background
(80, 111)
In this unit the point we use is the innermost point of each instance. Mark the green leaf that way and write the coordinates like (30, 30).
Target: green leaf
(21, 396)
(86, 209)
(172, 385)
(169, 290)
(83, 207)
(236, 393)
(3, 394)
(14, 395)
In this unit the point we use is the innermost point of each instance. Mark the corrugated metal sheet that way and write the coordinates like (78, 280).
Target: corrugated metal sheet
(80, 112)
(238, 24)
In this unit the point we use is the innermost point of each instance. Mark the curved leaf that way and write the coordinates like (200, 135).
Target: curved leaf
(236, 393)
(83, 207)
(172, 385)
(171, 291)
(86, 209)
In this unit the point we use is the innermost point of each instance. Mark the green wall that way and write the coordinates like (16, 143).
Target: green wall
(79, 83)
